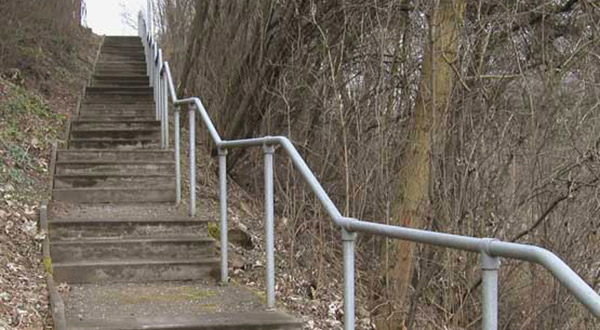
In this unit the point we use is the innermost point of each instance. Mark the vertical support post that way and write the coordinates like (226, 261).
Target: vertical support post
(192, 154)
(165, 108)
(177, 156)
(223, 213)
(157, 62)
(349, 242)
(150, 17)
(151, 62)
(268, 150)
(489, 267)
(161, 110)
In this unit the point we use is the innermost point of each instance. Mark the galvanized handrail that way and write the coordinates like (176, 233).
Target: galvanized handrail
(490, 249)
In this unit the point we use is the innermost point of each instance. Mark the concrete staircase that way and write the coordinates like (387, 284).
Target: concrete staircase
(113, 224)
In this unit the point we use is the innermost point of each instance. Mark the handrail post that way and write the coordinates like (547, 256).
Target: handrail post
(223, 212)
(165, 110)
(349, 242)
(177, 155)
(161, 110)
(268, 151)
(192, 155)
(490, 266)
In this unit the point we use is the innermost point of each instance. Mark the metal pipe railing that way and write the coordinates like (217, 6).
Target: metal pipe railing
(489, 249)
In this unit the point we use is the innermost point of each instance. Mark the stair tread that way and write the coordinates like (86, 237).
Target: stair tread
(134, 162)
(145, 239)
(116, 150)
(131, 220)
(171, 305)
(109, 139)
(126, 262)
(93, 175)
(124, 129)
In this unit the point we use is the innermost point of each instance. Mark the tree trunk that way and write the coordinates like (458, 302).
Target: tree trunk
(413, 204)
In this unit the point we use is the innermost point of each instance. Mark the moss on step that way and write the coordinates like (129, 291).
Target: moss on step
(214, 231)
(170, 295)
(47, 262)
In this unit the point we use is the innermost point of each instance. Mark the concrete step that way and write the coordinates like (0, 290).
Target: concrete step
(120, 77)
(143, 63)
(263, 320)
(134, 90)
(117, 99)
(123, 144)
(116, 133)
(113, 155)
(120, 70)
(123, 44)
(108, 167)
(140, 113)
(112, 125)
(121, 57)
(172, 305)
(126, 39)
(90, 228)
(100, 105)
(174, 248)
(123, 83)
(134, 270)
(121, 65)
(163, 181)
(120, 49)
(108, 118)
(114, 195)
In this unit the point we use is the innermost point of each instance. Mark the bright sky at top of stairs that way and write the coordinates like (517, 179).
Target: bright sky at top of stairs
(109, 16)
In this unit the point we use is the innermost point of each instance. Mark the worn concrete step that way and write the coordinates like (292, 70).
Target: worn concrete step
(101, 105)
(117, 107)
(123, 113)
(107, 167)
(118, 90)
(114, 195)
(134, 270)
(114, 144)
(122, 50)
(142, 63)
(172, 305)
(162, 181)
(164, 227)
(108, 118)
(113, 155)
(134, 44)
(116, 133)
(116, 100)
(258, 320)
(116, 71)
(102, 93)
(173, 248)
(120, 57)
(111, 125)
(124, 83)
(121, 65)
(126, 39)
(118, 81)
(120, 77)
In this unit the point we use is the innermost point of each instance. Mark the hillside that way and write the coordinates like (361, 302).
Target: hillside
(40, 80)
